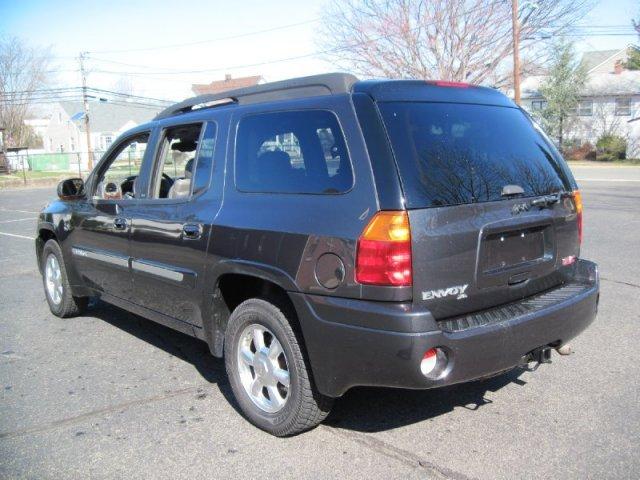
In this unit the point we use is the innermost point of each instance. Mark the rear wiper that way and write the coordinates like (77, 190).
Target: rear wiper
(512, 190)
(546, 201)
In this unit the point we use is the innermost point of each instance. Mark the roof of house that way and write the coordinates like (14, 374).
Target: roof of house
(110, 117)
(598, 81)
(598, 84)
(592, 59)
(228, 83)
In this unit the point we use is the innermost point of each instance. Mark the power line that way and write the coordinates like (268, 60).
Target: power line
(129, 64)
(129, 95)
(617, 30)
(55, 92)
(315, 54)
(297, 57)
(201, 42)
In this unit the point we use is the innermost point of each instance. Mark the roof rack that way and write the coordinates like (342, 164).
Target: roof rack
(312, 86)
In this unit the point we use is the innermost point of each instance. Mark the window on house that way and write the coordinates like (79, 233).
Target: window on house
(292, 152)
(538, 105)
(623, 106)
(107, 140)
(585, 107)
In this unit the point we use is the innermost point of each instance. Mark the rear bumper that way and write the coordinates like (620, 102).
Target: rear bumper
(361, 343)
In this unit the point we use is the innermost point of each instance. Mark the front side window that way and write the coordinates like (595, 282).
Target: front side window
(116, 181)
(623, 106)
(175, 163)
(292, 152)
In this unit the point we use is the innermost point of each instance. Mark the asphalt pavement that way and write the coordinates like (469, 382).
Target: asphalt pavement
(112, 395)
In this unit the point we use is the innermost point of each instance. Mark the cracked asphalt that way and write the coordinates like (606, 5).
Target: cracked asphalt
(111, 395)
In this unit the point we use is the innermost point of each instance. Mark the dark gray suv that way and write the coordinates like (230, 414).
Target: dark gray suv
(322, 233)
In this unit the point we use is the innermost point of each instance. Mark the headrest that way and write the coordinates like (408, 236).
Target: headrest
(184, 146)
(188, 168)
(275, 159)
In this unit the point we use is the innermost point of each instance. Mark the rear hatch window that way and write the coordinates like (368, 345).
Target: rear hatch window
(453, 154)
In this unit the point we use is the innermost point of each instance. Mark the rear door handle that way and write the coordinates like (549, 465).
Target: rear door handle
(192, 231)
(120, 223)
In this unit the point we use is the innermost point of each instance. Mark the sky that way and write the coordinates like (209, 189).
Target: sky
(125, 36)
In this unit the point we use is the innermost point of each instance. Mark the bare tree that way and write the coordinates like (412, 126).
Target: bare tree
(23, 75)
(459, 40)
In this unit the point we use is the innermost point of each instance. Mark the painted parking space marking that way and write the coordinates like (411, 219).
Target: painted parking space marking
(18, 211)
(607, 180)
(18, 220)
(17, 236)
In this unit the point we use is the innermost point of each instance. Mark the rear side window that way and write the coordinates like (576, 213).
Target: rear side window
(292, 152)
(451, 154)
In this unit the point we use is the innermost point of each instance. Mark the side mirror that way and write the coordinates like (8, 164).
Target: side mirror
(71, 189)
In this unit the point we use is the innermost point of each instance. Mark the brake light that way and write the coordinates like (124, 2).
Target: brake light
(446, 83)
(383, 256)
(577, 200)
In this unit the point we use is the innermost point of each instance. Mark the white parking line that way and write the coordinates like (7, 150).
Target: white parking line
(18, 220)
(19, 211)
(607, 180)
(17, 236)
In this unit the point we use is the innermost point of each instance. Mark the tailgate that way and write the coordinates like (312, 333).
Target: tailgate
(489, 201)
(472, 257)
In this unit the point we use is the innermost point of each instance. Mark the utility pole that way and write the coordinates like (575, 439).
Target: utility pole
(85, 102)
(516, 51)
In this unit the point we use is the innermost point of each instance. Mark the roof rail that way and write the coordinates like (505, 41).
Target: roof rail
(312, 86)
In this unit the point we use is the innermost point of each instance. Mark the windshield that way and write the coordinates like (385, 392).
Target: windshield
(451, 154)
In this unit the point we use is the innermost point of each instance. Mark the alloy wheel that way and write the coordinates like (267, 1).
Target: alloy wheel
(263, 368)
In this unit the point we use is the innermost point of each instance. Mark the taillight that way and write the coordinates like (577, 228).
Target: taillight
(577, 200)
(384, 251)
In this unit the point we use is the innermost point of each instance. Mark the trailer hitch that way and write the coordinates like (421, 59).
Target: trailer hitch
(538, 356)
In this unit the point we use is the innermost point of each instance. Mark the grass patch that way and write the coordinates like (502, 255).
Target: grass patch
(33, 175)
(614, 163)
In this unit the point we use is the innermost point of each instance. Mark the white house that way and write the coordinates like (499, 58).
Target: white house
(65, 131)
(608, 103)
(38, 125)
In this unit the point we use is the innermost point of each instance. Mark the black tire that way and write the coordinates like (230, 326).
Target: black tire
(68, 306)
(305, 406)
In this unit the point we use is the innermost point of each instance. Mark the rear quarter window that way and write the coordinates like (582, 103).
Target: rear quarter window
(292, 152)
(452, 154)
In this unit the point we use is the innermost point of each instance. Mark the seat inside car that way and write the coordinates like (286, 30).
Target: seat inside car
(182, 186)
(275, 167)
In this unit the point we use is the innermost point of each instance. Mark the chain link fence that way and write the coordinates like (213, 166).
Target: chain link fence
(30, 165)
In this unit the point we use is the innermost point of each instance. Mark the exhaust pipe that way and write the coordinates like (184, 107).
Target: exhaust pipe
(565, 350)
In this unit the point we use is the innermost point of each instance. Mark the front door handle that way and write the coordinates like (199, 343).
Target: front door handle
(120, 223)
(192, 231)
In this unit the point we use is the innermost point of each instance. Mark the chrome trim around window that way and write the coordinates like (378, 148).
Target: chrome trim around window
(111, 258)
(163, 272)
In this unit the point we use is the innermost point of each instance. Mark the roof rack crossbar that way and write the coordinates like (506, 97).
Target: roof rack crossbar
(315, 85)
